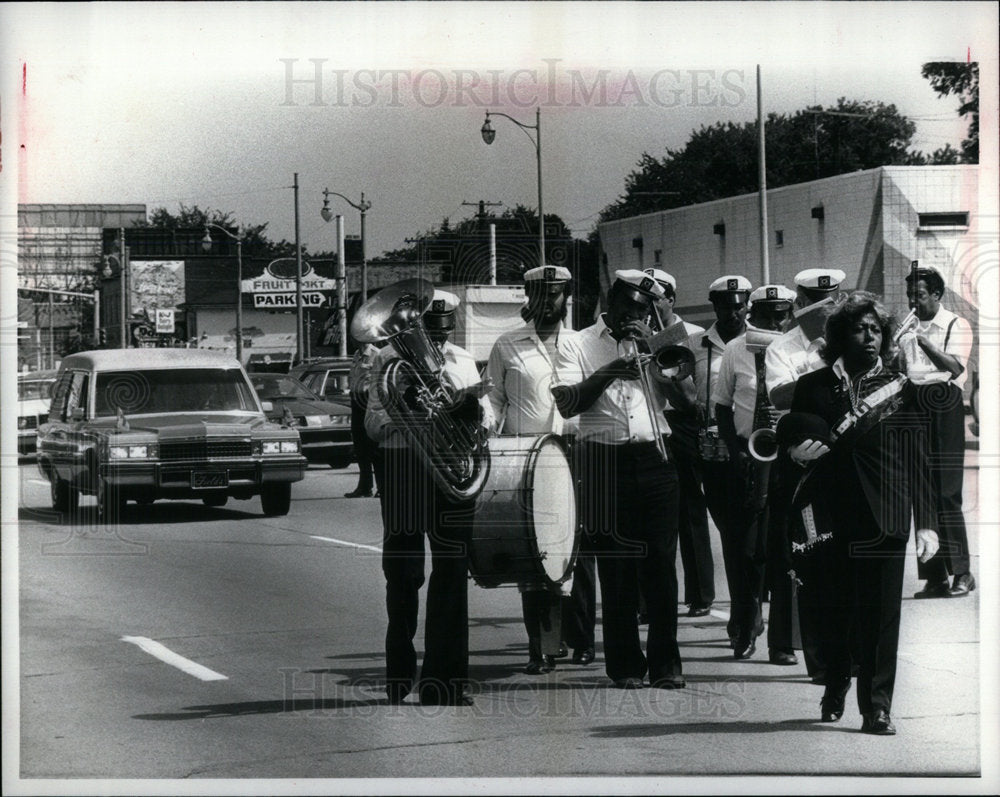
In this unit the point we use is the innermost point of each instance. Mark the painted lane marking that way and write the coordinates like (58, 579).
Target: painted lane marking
(349, 544)
(720, 614)
(164, 654)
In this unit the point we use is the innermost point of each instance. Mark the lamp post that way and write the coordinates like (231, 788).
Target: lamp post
(206, 245)
(488, 134)
(363, 206)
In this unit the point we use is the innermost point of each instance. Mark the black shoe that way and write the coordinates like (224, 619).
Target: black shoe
(832, 704)
(745, 647)
(878, 723)
(937, 589)
(962, 585)
(563, 651)
(436, 698)
(783, 657)
(540, 666)
(583, 656)
(358, 494)
(669, 682)
(698, 610)
(629, 683)
(396, 692)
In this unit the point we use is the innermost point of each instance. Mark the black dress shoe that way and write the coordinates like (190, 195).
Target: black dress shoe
(878, 723)
(962, 585)
(396, 692)
(583, 656)
(697, 610)
(669, 682)
(446, 700)
(540, 666)
(936, 589)
(563, 651)
(744, 647)
(629, 683)
(358, 494)
(783, 657)
(832, 704)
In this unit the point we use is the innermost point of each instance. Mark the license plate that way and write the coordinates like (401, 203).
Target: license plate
(210, 478)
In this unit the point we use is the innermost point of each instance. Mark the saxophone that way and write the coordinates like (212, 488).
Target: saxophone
(763, 443)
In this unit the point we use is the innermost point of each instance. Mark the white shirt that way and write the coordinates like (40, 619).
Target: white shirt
(461, 368)
(620, 414)
(790, 357)
(919, 367)
(522, 372)
(736, 384)
(703, 381)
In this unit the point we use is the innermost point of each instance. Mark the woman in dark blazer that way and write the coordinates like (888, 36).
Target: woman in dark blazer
(861, 485)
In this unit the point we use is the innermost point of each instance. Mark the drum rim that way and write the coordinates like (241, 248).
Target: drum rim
(533, 454)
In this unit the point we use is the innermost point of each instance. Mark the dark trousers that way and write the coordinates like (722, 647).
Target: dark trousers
(947, 453)
(858, 585)
(692, 529)
(579, 610)
(630, 512)
(782, 628)
(363, 447)
(743, 538)
(412, 509)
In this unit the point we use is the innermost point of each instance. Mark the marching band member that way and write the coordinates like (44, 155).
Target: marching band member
(728, 295)
(867, 439)
(795, 353)
(521, 369)
(692, 524)
(412, 507)
(735, 398)
(364, 448)
(629, 493)
(934, 355)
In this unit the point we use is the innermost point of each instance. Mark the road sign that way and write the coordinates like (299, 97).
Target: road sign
(276, 301)
(164, 321)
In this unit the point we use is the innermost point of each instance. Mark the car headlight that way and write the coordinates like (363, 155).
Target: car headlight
(132, 452)
(280, 447)
(341, 420)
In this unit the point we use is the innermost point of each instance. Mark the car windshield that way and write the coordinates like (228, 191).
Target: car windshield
(177, 390)
(33, 390)
(284, 387)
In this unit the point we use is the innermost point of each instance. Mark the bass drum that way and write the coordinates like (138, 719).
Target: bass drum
(525, 529)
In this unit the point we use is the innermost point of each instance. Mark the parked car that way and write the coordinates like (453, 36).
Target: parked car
(145, 424)
(33, 397)
(327, 376)
(324, 426)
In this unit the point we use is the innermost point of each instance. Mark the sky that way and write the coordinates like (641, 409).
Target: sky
(219, 105)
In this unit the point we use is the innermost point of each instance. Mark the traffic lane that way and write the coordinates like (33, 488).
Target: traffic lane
(247, 596)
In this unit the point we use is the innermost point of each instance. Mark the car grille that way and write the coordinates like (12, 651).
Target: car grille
(205, 449)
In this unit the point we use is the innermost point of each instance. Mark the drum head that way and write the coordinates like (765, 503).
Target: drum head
(553, 509)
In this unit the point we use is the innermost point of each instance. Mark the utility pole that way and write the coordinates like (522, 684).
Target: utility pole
(481, 216)
(482, 205)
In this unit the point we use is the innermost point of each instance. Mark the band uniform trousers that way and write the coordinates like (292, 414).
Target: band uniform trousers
(692, 517)
(412, 509)
(943, 402)
(579, 609)
(630, 513)
(783, 632)
(363, 446)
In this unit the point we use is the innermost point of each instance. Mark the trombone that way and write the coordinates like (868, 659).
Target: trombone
(646, 385)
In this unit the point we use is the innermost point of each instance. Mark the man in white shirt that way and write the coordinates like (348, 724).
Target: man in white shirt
(628, 489)
(412, 507)
(692, 513)
(521, 369)
(787, 359)
(934, 355)
(735, 398)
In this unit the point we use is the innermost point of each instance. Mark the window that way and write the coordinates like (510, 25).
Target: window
(943, 221)
(59, 393)
(779, 238)
(657, 256)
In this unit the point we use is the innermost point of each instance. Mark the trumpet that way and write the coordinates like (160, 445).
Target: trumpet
(905, 326)
(646, 384)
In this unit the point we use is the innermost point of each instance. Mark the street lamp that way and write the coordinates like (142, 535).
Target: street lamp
(364, 207)
(206, 245)
(489, 134)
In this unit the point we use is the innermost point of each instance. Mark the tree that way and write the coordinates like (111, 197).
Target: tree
(255, 242)
(962, 80)
(720, 160)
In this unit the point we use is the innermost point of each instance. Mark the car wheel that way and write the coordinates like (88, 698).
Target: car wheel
(215, 500)
(65, 497)
(276, 499)
(109, 501)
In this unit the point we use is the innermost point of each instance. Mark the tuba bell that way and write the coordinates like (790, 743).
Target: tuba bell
(417, 392)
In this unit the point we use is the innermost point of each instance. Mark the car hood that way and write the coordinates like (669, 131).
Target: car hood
(209, 424)
(300, 407)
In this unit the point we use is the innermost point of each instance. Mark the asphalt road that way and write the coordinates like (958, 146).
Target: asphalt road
(193, 642)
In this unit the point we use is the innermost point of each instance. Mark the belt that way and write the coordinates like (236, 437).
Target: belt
(629, 450)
